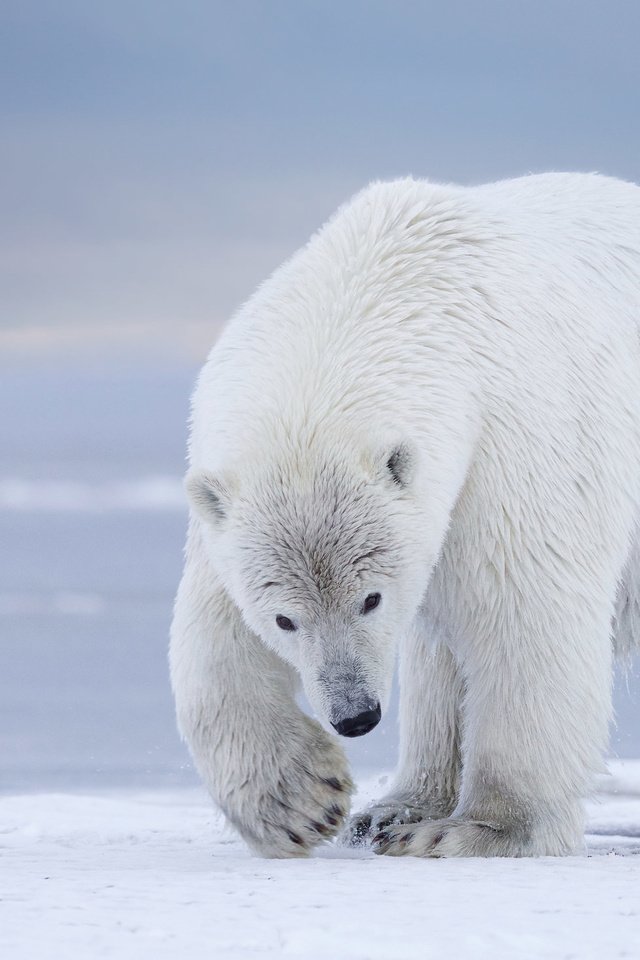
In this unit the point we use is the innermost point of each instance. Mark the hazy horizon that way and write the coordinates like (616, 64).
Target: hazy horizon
(157, 166)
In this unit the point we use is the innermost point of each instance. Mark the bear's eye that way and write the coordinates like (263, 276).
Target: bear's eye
(371, 602)
(284, 623)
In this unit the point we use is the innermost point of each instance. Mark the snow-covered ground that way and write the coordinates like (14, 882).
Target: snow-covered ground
(156, 874)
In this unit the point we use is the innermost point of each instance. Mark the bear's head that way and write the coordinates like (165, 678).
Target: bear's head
(326, 558)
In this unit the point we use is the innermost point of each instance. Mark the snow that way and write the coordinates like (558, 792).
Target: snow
(157, 874)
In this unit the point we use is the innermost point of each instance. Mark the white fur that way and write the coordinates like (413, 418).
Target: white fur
(490, 335)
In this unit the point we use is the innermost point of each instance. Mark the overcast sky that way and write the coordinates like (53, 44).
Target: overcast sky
(160, 158)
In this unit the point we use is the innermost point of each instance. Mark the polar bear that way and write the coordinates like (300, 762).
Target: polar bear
(423, 431)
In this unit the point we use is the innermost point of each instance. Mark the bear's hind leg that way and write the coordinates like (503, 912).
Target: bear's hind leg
(626, 621)
(427, 780)
(536, 713)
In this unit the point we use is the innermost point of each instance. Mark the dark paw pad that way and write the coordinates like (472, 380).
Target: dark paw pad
(360, 829)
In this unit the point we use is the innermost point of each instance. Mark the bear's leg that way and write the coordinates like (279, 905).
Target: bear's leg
(427, 781)
(277, 776)
(627, 613)
(536, 713)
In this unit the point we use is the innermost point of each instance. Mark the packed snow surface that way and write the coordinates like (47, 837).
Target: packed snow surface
(157, 874)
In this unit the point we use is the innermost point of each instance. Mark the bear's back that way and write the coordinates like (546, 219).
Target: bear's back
(335, 328)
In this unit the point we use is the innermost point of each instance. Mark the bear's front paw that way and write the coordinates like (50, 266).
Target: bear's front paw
(453, 838)
(303, 805)
(363, 826)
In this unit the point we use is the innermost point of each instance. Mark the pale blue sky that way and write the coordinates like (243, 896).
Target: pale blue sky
(159, 158)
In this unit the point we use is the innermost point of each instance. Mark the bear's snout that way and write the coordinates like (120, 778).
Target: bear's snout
(357, 726)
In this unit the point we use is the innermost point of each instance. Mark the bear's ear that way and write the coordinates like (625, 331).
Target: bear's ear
(399, 464)
(208, 495)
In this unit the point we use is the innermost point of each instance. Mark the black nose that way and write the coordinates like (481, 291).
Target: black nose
(358, 726)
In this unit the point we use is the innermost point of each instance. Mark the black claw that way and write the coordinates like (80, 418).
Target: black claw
(295, 838)
(381, 837)
(331, 820)
(319, 827)
(334, 783)
(336, 810)
(407, 838)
